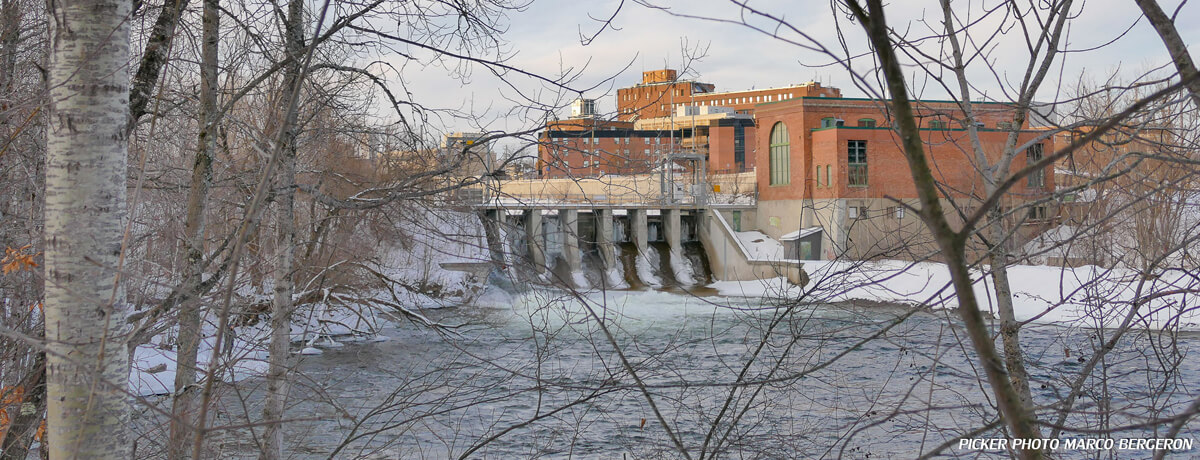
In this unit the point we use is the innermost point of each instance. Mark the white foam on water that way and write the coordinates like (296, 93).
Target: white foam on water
(645, 271)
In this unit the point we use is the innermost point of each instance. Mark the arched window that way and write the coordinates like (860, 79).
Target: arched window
(866, 122)
(780, 155)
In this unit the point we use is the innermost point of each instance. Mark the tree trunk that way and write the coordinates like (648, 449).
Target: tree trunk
(952, 244)
(87, 367)
(189, 308)
(154, 58)
(281, 307)
(1165, 27)
(1010, 328)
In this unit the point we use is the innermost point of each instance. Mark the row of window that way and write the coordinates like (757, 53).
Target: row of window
(861, 212)
(602, 152)
(748, 99)
(633, 96)
(1034, 213)
(645, 140)
(779, 167)
(832, 122)
(565, 163)
(779, 161)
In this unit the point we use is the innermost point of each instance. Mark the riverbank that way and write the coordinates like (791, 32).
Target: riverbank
(1086, 296)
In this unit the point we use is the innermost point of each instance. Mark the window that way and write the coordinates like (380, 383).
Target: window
(818, 176)
(587, 141)
(1034, 154)
(866, 123)
(856, 212)
(1037, 212)
(896, 212)
(828, 122)
(828, 176)
(647, 139)
(626, 141)
(856, 163)
(586, 163)
(739, 145)
(780, 155)
(937, 124)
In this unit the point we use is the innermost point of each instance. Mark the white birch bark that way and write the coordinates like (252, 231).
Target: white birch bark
(281, 306)
(87, 367)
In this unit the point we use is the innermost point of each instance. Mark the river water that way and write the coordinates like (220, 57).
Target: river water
(543, 374)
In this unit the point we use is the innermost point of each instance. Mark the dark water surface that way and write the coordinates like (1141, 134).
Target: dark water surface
(535, 376)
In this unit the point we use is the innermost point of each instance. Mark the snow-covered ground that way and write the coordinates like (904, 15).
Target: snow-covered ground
(1086, 296)
(314, 326)
(417, 280)
(760, 246)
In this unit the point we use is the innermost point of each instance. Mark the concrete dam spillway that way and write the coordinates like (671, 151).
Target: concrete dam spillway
(621, 248)
(599, 249)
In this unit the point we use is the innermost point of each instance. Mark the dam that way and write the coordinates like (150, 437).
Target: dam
(621, 236)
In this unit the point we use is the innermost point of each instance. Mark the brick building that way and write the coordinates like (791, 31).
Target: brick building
(726, 138)
(590, 147)
(836, 164)
(661, 92)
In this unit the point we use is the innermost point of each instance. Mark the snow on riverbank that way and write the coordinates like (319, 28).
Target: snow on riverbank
(1085, 296)
(153, 366)
(417, 277)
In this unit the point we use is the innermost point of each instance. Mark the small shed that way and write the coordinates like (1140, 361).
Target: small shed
(803, 244)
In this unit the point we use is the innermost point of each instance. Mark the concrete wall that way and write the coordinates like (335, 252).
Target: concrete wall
(610, 189)
(729, 261)
(634, 189)
(735, 184)
(878, 230)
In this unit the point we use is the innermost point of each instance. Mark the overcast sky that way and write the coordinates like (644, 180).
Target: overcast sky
(545, 38)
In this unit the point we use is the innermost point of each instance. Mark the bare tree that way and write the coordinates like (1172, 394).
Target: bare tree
(189, 316)
(87, 369)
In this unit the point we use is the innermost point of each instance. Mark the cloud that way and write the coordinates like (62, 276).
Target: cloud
(545, 39)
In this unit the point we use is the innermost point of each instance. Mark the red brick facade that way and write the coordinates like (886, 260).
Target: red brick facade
(811, 146)
(582, 150)
(660, 93)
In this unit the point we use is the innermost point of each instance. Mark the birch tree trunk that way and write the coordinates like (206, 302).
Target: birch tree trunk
(87, 367)
(281, 307)
(189, 308)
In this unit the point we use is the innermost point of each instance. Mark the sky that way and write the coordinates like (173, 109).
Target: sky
(545, 38)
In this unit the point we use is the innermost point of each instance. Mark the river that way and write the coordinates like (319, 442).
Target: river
(534, 375)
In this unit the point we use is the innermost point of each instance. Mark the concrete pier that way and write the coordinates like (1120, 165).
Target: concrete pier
(490, 219)
(535, 240)
(637, 225)
(568, 220)
(671, 230)
(604, 238)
